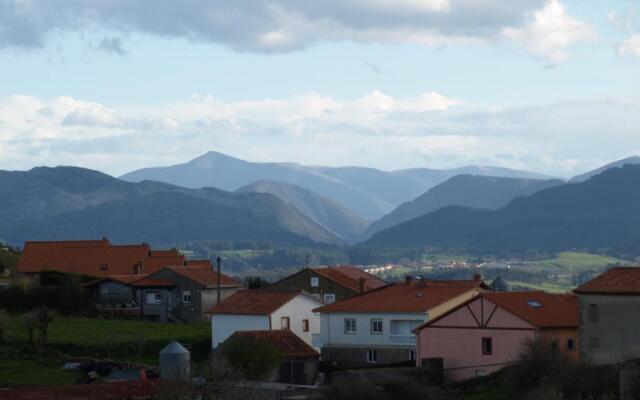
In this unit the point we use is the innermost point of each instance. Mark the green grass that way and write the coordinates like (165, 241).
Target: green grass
(572, 262)
(29, 371)
(101, 338)
(544, 286)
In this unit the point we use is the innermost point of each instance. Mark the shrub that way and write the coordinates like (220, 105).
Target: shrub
(538, 363)
(67, 298)
(356, 390)
(43, 318)
(256, 359)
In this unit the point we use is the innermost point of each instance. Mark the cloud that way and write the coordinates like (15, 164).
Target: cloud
(287, 25)
(550, 32)
(376, 129)
(630, 47)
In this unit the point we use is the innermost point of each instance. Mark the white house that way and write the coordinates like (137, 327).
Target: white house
(376, 327)
(254, 310)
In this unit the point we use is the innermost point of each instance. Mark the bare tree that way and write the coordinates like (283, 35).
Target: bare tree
(44, 317)
(29, 322)
(138, 344)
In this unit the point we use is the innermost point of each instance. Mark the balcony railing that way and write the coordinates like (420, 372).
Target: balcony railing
(402, 339)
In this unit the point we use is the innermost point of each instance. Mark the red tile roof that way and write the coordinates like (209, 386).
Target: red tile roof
(152, 282)
(417, 296)
(289, 344)
(254, 302)
(97, 258)
(349, 277)
(619, 280)
(205, 276)
(556, 311)
(206, 263)
(124, 279)
(113, 391)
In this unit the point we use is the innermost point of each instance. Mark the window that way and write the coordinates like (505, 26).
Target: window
(594, 341)
(186, 297)
(305, 325)
(350, 326)
(315, 282)
(534, 304)
(571, 344)
(154, 297)
(329, 297)
(487, 346)
(284, 323)
(372, 356)
(412, 355)
(593, 313)
(376, 327)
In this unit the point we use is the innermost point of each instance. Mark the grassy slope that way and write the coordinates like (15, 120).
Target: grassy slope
(573, 262)
(100, 338)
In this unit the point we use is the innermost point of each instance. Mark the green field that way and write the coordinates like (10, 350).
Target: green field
(571, 262)
(30, 371)
(118, 339)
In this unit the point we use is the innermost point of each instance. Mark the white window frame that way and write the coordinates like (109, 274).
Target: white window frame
(374, 323)
(329, 298)
(157, 297)
(348, 328)
(186, 297)
(372, 356)
(315, 281)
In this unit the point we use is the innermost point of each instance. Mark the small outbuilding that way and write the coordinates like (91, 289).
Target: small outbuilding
(300, 361)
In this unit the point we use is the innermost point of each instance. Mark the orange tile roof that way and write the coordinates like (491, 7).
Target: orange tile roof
(416, 296)
(289, 344)
(152, 282)
(205, 276)
(618, 280)
(97, 258)
(206, 263)
(124, 279)
(155, 263)
(556, 311)
(349, 277)
(254, 302)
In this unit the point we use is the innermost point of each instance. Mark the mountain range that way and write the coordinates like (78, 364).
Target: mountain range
(68, 202)
(367, 192)
(599, 214)
(484, 192)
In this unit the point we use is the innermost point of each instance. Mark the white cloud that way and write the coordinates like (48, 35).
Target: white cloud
(631, 46)
(550, 32)
(376, 129)
(287, 25)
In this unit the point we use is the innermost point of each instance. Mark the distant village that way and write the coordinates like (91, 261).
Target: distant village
(332, 319)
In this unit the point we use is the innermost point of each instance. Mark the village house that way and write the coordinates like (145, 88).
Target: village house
(376, 327)
(486, 333)
(265, 309)
(330, 284)
(93, 258)
(300, 361)
(609, 322)
(182, 293)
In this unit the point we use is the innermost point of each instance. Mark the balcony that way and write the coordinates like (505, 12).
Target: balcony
(402, 339)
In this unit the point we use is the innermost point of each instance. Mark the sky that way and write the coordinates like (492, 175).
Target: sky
(551, 86)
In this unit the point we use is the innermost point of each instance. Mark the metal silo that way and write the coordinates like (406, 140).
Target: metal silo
(175, 362)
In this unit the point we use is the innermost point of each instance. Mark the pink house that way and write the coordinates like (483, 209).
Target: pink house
(485, 333)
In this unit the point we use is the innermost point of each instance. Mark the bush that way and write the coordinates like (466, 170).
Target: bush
(355, 390)
(68, 298)
(537, 364)
(255, 359)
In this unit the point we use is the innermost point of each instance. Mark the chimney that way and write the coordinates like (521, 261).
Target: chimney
(361, 283)
(477, 277)
(408, 279)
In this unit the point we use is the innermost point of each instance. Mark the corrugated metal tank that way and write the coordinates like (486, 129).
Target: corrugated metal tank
(175, 362)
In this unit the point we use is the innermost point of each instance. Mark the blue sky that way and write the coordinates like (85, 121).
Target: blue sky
(546, 85)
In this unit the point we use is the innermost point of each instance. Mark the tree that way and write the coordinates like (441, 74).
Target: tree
(44, 317)
(256, 359)
(29, 322)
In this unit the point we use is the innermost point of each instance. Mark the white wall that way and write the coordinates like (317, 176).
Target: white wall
(332, 329)
(297, 309)
(224, 325)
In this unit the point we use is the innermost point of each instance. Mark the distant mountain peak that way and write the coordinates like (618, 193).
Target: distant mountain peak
(633, 160)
